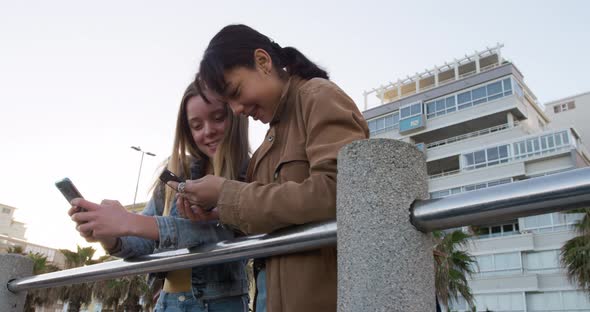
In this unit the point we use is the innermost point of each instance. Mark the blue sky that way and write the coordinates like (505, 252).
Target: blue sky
(81, 82)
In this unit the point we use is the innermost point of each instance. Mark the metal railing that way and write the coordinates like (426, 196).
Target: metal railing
(471, 135)
(558, 192)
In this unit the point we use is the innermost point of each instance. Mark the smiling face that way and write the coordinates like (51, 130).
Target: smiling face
(254, 92)
(207, 122)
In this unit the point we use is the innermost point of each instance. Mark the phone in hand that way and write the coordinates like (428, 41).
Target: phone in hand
(168, 175)
(69, 190)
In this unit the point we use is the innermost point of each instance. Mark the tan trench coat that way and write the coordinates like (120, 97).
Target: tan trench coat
(293, 176)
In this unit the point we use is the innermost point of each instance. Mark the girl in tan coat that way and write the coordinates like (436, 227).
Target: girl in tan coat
(292, 176)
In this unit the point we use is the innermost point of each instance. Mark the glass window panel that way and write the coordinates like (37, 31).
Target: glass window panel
(452, 109)
(558, 140)
(492, 153)
(416, 109)
(485, 263)
(396, 118)
(372, 125)
(478, 93)
(507, 84)
(493, 97)
(405, 112)
(380, 124)
(469, 159)
(503, 149)
(550, 141)
(529, 146)
(496, 229)
(571, 105)
(440, 105)
(430, 107)
(507, 228)
(464, 97)
(480, 157)
(543, 143)
(450, 101)
(565, 137)
(469, 188)
(494, 88)
(507, 261)
(388, 121)
(536, 145)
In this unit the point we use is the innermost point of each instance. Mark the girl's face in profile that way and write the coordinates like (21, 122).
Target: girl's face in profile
(254, 92)
(207, 122)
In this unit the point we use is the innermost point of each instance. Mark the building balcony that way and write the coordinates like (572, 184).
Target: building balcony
(448, 147)
(493, 284)
(519, 242)
(460, 178)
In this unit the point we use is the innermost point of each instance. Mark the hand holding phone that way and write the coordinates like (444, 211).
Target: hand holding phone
(168, 176)
(69, 190)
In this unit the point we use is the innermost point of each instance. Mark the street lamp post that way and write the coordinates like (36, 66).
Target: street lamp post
(137, 148)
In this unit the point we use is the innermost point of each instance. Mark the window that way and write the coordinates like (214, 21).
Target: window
(551, 222)
(411, 110)
(468, 188)
(6, 210)
(465, 99)
(540, 261)
(497, 230)
(541, 145)
(564, 107)
(499, 302)
(571, 300)
(384, 123)
(486, 157)
(499, 264)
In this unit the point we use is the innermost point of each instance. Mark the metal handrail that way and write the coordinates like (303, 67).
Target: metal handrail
(558, 192)
(295, 239)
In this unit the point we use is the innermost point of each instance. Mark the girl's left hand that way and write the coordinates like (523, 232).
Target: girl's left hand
(203, 192)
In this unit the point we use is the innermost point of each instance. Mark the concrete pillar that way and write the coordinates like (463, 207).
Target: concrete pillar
(510, 120)
(13, 266)
(384, 264)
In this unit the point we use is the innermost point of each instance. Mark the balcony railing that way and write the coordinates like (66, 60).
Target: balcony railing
(471, 135)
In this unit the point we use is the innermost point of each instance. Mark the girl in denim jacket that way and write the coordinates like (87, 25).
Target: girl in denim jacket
(208, 140)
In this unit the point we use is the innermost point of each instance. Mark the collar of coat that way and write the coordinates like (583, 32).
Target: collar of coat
(288, 90)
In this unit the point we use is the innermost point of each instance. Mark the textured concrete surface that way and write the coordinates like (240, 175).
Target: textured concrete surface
(13, 266)
(384, 264)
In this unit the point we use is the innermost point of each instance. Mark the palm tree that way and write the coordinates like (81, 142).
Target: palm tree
(79, 294)
(452, 267)
(44, 296)
(123, 294)
(575, 253)
(16, 250)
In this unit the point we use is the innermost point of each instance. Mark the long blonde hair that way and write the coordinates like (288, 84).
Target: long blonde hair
(229, 160)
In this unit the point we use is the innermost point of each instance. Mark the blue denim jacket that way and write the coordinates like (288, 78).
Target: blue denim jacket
(209, 282)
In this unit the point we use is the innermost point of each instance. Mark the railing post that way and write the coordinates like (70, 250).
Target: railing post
(384, 263)
(13, 266)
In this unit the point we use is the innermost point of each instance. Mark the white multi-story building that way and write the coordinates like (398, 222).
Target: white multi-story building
(571, 112)
(480, 126)
(12, 234)
(9, 226)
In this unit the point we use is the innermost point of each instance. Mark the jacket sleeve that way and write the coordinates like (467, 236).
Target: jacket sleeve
(331, 120)
(133, 246)
(176, 233)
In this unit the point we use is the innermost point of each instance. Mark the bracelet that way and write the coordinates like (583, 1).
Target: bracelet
(116, 248)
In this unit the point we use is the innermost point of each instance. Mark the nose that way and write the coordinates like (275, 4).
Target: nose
(236, 107)
(209, 129)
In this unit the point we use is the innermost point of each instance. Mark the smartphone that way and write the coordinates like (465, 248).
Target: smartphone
(168, 175)
(68, 189)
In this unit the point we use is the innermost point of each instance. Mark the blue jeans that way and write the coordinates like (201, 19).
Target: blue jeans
(261, 291)
(186, 301)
